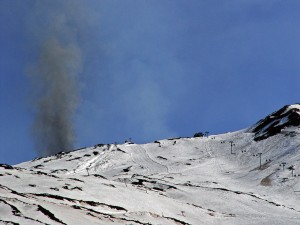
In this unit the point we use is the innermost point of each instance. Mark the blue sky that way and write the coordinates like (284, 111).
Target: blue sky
(153, 69)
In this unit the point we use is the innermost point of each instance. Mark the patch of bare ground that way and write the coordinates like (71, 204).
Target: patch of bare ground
(266, 181)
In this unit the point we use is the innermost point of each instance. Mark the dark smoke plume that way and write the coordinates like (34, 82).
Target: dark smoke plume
(55, 78)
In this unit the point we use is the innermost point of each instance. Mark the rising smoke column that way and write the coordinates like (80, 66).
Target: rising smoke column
(55, 77)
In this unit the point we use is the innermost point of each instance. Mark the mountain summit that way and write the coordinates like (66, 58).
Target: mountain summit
(288, 116)
(248, 177)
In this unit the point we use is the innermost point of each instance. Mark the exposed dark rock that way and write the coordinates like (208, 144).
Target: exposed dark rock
(158, 189)
(91, 203)
(59, 170)
(60, 154)
(100, 176)
(55, 189)
(76, 179)
(6, 166)
(110, 185)
(127, 169)
(35, 159)
(9, 222)
(99, 145)
(73, 159)
(274, 123)
(118, 149)
(47, 160)
(45, 174)
(76, 188)
(15, 210)
(38, 166)
(177, 221)
(160, 157)
(49, 214)
(138, 182)
(152, 184)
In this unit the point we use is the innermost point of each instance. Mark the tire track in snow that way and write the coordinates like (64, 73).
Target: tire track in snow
(220, 168)
(140, 156)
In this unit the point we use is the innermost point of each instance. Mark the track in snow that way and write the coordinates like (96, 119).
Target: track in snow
(140, 156)
(95, 163)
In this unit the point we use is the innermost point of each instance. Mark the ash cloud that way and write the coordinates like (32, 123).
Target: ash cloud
(55, 75)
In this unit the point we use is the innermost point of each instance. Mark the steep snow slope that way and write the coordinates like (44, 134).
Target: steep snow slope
(232, 178)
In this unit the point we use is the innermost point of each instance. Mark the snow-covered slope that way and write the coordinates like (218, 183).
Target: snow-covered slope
(245, 177)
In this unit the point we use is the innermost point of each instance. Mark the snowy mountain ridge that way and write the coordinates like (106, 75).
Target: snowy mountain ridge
(287, 116)
(250, 176)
